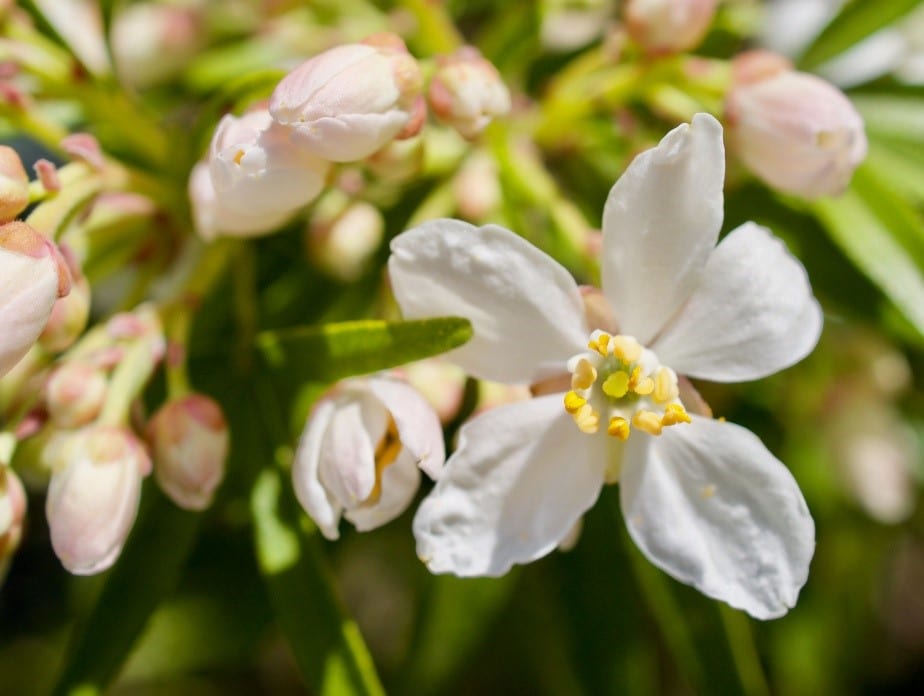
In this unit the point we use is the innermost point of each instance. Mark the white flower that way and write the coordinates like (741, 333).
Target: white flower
(360, 453)
(705, 500)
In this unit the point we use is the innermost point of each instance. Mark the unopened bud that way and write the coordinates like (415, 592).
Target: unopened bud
(668, 26)
(12, 511)
(344, 243)
(477, 187)
(93, 496)
(256, 170)
(14, 184)
(151, 42)
(189, 443)
(360, 453)
(351, 100)
(797, 132)
(69, 316)
(32, 276)
(75, 394)
(467, 92)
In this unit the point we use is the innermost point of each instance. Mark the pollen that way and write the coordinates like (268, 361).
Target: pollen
(626, 348)
(648, 421)
(643, 386)
(238, 156)
(584, 375)
(665, 385)
(618, 427)
(674, 414)
(573, 402)
(616, 385)
(587, 420)
(600, 343)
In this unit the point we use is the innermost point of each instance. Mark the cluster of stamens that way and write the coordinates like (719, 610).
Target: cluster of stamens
(620, 381)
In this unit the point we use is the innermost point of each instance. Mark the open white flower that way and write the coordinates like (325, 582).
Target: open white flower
(703, 499)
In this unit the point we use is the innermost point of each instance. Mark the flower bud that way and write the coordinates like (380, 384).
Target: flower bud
(669, 26)
(477, 187)
(32, 276)
(342, 244)
(75, 393)
(467, 92)
(189, 443)
(12, 511)
(360, 451)
(256, 170)
(70, 313)
(797, 132)
(351, 100)
(93, 495)
(152, 42)
(14, 184)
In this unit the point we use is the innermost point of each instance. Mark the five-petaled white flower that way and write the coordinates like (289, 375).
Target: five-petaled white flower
(703, 499)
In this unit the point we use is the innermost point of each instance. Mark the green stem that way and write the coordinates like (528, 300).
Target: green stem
(436, 32)
(744, 651)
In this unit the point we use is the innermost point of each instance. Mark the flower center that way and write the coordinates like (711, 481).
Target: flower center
(621, 384)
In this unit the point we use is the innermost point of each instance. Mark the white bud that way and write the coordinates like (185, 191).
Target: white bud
(467, 92)
(669, 26)
(152, 42)
(69, 316)
(351, 100)
(14, 184)
(360, 452)
(189, 443)
(32, 276)
(797, 132)
(75, 393)
(12, 511)
(93, 496)
(343, 243)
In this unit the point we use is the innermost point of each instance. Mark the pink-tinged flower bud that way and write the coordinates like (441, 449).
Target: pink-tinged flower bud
(343, 243)
(75, 393)
(70, 314)
(360, 452)
(93, 495)
(256, 169)
(477, 187)
(12, 511)
(152, 42)
(14, 184)
(32, 276)
(668, 26)
(467, 92)
(189, 443)
(351, 100)
(797, 132)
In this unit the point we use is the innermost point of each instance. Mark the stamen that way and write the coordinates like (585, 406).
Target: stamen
(386, 452)
(584, 375)
(601, 344)
(618, 427)
(665, 385)
(648, 421)
(626, 348)
(616, 385)
(573, 402)
(674, 414)
(643, 386)
(587, 420)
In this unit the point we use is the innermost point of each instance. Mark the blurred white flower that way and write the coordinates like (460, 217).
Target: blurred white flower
(669, 26)
(361, 451)
(703, 499)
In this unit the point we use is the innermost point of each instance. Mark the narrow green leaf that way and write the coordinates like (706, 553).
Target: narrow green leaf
(327, 645)
(147, 570)
(854, 23)
(896, 117)
(871, 246)
(876, 187)
(331, 352)
(899, 170)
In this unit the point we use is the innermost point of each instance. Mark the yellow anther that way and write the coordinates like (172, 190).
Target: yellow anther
(649, 421)
(674, 414)
(626, 348)
(584, 375)
(238, 156)
(640, 385)
(665, 385)
(386, 452)
(587, 420)
(616, 385)
(601, 344)
(573, 402)
(618, 427)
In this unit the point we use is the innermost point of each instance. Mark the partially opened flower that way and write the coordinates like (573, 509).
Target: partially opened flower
(361, 453)
(703, 499)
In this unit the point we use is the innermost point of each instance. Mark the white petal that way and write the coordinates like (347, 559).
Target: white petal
(660, 222)
(521, 478)
(525, 308)
(313, 497)
(347, 464)
(752, 315)
(712, 507)
(418, 425)
(400, 481)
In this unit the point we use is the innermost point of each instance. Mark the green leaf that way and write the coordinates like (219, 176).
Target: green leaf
(878, 189)
(331, 352)
(147, 570)
(855, 22)
(328, 647)
(892, 116)
(868, 242)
